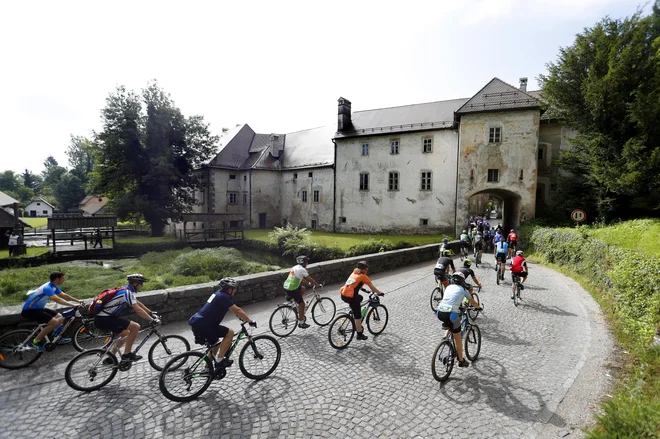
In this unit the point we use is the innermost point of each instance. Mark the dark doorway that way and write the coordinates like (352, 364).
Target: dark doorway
(262, 220)
(33, 213)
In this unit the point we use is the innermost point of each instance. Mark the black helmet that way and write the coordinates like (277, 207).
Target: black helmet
(227, 282)
(446, 241)
(302, 259)
(362, 265)
(137, 277)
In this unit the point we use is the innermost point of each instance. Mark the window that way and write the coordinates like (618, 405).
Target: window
(45, 212)
(393, 182)
(304, 196)
(233, 198)
(233, 224)
(471, 174)
(314, 223)
(245, 198)
(232, 176)
(311, 174)
(426, 181)
(342, 219)
(427, 144)
(295, 175)
(38, 204)
(540, 154)
(495, 135)
(245, 178)
(365, 149)
(521, 175)
(364, 181)
(394, 146)
(493, 175)
(423, 221)
(316, 196)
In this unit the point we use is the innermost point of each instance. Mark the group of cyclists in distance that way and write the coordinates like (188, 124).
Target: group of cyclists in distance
(206, 324)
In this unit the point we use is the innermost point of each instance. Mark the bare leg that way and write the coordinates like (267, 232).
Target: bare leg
(133, 329)
(301, 310)
(358, 325)
(50, 327)
(221, 350)
(459, 345)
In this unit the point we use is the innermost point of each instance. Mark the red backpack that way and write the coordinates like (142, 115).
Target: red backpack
(103, 298)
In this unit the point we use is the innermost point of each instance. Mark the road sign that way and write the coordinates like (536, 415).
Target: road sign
(578, 215)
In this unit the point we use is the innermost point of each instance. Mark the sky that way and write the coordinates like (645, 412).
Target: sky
(279, 66)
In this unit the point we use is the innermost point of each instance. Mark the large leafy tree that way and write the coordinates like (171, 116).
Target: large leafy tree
(68, 192)
(146, 154)
(9, 181)
(81, 157)
(607, 86)
(51, 175)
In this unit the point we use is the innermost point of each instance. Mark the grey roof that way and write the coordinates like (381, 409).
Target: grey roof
(415, 117)
(7, 220)
(259, 142)
(234, 147)
(309, 148)
(498, 95)
(6, 200)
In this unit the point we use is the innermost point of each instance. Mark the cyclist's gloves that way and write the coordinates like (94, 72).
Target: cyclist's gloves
(253, 324)
(381, 294)
(155, 322)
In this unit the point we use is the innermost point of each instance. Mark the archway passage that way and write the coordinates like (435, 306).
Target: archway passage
(504, 203)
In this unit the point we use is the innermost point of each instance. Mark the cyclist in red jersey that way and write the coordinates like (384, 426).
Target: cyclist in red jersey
(512, 240)
(518, 268)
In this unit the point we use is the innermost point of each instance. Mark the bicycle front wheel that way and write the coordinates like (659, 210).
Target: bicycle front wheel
(91, 370)
(341, 332)
(16, 349)
(164, 349)
(472, 342)
(186, 376)
(443, 361)
(473, 313)
(497, 273)
(516, 294)
(377, 319)
(260, 357)
(283, 321)
(436, 298)
(323, 311)
(87, 336)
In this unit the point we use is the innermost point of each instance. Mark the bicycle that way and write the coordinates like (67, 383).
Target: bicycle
(473, 312)
(445, 354)
(189, 368)
(343, 326)
(284, 319)
(477, 256)
(515, 289)
(498, 271)
(86, 367)
(16, 350)
(437, 294)
(464, 250)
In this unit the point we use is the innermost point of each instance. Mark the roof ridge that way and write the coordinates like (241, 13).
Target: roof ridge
(516, 88)
(410, 105)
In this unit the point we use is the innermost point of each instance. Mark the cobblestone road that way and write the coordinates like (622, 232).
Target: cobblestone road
(382, 387)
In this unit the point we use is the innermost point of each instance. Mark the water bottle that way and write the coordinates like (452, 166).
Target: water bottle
(364, 312)
(57, 330)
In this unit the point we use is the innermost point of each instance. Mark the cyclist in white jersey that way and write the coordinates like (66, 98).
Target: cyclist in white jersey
(294, 289)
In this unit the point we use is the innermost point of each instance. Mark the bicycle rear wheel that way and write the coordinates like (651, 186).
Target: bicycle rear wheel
(260, 357)
(341, 332)
(16, 350)
(283, 321)
(87, 336)
(472, 342)
(323, 311)
(443, 361)
(186, 376)
(91, 370)
(497, 272)
(377, 319)
(436, 297)
(473, 313)
(516, 294)
(164, 349)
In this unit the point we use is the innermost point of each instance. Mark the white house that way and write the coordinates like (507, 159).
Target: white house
(39, 207)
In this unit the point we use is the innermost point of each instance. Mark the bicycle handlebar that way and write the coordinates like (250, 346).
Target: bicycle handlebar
(371, 292)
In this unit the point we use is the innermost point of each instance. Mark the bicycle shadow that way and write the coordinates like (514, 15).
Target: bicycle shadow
(500, 334)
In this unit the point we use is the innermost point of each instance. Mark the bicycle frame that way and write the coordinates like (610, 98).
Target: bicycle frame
(237, 339)
(308, 305)
(69, 318)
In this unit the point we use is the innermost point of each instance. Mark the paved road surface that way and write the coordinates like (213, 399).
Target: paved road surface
(553, 347)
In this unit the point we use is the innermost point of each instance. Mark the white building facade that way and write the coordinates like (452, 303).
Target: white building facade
(39, 208)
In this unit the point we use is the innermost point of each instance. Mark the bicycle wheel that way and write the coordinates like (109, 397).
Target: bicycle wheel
(341, 332)
(497, 273)
(164, 349)
(443, 361)
(87, 336)
(436, 297)
(472, 342)
(259, 357)
(377, 319)
(91, 370)
(323, 311)
(283, 321)
(516, 294)
(473, 313)
(16, 350)
(186, 376)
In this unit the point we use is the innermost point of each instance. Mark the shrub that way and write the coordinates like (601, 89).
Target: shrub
(371, 246)
(215, 263)
(283, 234)
(316, 252)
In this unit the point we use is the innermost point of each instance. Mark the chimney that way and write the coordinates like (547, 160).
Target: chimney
(224, 130)
(344, 122)
(523, 84)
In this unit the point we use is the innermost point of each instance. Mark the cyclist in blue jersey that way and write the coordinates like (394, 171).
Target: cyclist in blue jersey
(35, 307)
(206, 325)
(501, 251)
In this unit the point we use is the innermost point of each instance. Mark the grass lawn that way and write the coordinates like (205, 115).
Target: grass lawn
(31, 251)
(641, 235)
(345, 240)
(35, 222)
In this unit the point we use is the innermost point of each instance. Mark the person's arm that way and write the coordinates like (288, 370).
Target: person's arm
(238, 312)
(525, 267)
(139, 310)
(147, 310)
(476, 281)
(61, 301)
(373, 288)
(68, 297)
(312, 281)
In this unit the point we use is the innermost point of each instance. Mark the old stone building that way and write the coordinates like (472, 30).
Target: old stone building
(419, 168)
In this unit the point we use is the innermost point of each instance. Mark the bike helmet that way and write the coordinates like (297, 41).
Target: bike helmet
(445, 241)
(458, 277)
(302, 259)
(446, 253)
(464, 231)
(137, 277)
(362, 265)
(467, 262)
(519, 253)
(512, 230)
(227, 282)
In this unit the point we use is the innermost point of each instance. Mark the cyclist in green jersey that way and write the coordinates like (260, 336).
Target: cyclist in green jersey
(294, 289)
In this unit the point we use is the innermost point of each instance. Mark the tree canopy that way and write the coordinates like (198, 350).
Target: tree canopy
(607, 87)
(146, 154)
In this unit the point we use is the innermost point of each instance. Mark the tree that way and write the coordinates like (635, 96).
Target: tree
(607, 86)
(68, 192)
(9, 181)
(146, 155)
(81, 157)
(52, 174)
(31, 181)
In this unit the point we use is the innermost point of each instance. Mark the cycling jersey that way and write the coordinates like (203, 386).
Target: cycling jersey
(513, 237)
(296, 274)
(478, 237)
(354, 283)
(497, 238)
(213, 311)
(502, 247)
(122, 300)
(39, 297)
(443, 263)
(517, 264)
(465, 237)
(453, 298)
(467, 272)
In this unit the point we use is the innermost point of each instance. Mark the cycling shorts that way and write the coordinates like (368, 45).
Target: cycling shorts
(513, 245)
(440, 275)
(522, 274)
(451, 320)
(501, 257)
(209, 334)
(295, 295)
(354, 303)
(465, 244)
(43, 315)
(479, 245)
(113, 324)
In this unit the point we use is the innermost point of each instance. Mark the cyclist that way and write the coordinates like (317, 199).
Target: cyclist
(35, 309)
(512, 240)
(479, 244)
(350, 293)
(501, 249)
(465, 241)
(293, 288)
(519, 269)
(440, 270)
(206, 325)
(447, 311)
(108, 317)
(443, 246)
(467, 271)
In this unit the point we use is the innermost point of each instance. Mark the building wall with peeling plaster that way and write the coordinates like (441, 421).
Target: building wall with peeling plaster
(299, 213)
(265, 198)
